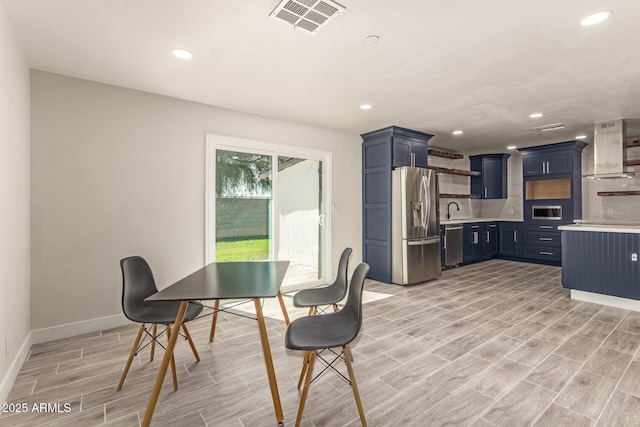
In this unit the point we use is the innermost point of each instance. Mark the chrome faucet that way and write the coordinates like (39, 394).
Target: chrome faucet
(448, 206)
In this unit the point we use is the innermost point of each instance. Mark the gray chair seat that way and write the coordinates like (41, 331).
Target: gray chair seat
(327, 295)
(137, 284)
(329, 331)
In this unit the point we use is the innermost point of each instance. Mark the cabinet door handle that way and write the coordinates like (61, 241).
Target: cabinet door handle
(548, 169)
(543, 168)
(475, 237)
(546, 239)
(487, 236)
(546, 253)
(485, 192)
(515, 235)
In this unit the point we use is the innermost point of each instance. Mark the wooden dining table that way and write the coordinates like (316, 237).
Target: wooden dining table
(217, 281)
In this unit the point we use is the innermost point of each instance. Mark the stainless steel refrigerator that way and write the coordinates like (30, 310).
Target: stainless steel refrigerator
(415, 228)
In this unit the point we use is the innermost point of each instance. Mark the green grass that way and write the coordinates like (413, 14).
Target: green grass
(242, 250)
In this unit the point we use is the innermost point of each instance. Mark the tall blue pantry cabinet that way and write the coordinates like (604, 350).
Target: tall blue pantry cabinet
(382, 151)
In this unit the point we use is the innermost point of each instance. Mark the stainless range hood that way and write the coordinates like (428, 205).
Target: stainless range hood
(610, 156)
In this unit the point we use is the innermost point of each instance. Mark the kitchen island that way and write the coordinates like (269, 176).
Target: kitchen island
(600, 262)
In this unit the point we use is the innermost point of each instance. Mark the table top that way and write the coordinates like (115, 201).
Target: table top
(227, 280)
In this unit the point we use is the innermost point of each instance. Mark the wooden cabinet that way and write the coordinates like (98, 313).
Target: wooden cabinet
(473, 241)
(404, 148)
(383, 150)
(492, 181)
(510, 239)
(552, 181)
(491, 239)
(479, 241)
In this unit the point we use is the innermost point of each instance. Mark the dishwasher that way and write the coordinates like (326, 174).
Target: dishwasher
(452, 244)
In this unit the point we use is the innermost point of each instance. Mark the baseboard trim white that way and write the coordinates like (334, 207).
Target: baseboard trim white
(624, 303)
(78, 328)
(14, 369)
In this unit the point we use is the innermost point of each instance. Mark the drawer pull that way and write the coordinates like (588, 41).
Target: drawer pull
(546, 239)
(547, 227)
(546, 253)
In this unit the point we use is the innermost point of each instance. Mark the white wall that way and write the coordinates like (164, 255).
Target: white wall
(14, 210)
(509, 208)
(118, 172)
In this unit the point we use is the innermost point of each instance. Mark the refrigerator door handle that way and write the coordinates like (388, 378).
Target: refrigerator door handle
(422, 242)
(426, 214)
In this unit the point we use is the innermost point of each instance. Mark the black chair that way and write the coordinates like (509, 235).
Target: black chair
(330, 331)
(138, 284)
(328, 295)
(325, 296)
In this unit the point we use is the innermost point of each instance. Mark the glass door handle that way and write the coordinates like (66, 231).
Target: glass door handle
(321, 218)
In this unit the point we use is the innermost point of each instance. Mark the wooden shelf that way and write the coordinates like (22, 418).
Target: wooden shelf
(634, 162)
(454, 196)
(454, 171)
(633, 143)
(446, 154)
(618, 193)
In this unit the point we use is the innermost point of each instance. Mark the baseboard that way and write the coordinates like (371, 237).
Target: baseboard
(14, 369)
(78, 328)
(624, 303)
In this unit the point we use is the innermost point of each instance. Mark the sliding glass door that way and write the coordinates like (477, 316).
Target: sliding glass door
(267, 203)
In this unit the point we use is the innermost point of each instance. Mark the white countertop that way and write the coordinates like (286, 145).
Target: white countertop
(604, 228)
(467, 220)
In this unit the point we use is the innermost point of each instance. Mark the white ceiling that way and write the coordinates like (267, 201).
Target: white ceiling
(479, 66)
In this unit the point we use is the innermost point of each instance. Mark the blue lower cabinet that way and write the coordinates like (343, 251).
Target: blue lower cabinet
(473, 241)
(491, 239)
(552, 254)
(510, 239)
(604, 263)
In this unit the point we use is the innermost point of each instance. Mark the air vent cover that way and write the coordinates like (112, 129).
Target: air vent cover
(307, 15)
(550, 127)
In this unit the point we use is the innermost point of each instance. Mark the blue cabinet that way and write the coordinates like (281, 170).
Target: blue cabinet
(404, 148)
(510, 239)
(600, 262)
(491, 239)
(492, 182)
(473, 241)
(552, 181)
(383, 150)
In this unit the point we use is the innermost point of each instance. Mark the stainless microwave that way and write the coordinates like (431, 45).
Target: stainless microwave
(547, 212)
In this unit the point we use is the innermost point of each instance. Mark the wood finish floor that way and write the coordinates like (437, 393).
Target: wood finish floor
(497, 343)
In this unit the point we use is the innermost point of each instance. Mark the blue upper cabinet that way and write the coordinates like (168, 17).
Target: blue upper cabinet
(382, 151)
(492, 182)
(552, 160)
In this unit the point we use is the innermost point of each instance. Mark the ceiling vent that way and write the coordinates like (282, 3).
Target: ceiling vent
(307, 15)
(551, 127)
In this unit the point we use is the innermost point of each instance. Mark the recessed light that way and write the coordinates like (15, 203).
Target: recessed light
(581, 136)
(181, 53)
(536, 115)
(596, 18)
(511, 147)
(366, 107)
(457, 132)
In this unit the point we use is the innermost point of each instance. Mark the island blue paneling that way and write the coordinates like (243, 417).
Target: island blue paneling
(601, 263)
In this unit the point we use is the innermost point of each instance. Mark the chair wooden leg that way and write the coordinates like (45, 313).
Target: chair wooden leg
(131, 356)
(153, 342)
(354, 386)
(312, 359)
(305, 365)
(174, 376)
(214, 318)
(193, 347)
(335, 307)
(310, 311)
